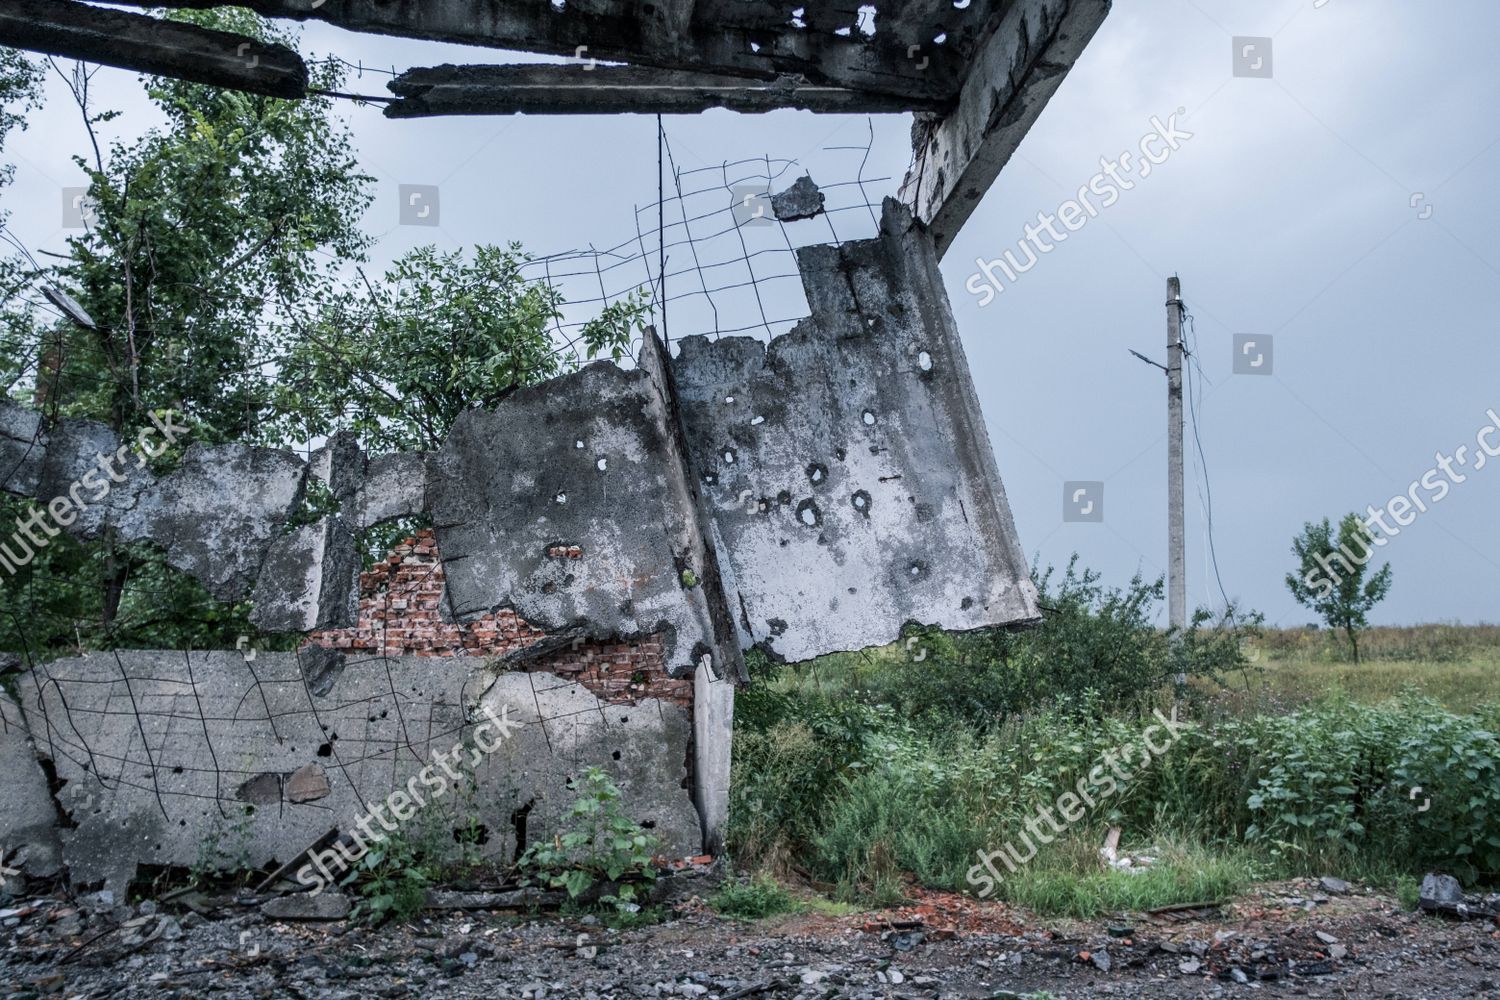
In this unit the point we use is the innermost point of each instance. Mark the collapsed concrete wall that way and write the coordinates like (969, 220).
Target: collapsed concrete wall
(811, 495)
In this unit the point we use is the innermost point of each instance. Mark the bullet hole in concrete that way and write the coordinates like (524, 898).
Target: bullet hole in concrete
(861, 502)
(784, 543)
(778, 626)
(809, 514)
(325, 750)
(624, 719)
(869, 419)
(710, 479)
(816, 473)
(648, 824)
(602, 464)
(917, 570)
(177, 769)
(615, 755)
(924, 361)
(763, 505)
(839, 454)
(757, 421)
(966, 604)
(549, 587)
(853, 590)
(560, 498)
(784, 497)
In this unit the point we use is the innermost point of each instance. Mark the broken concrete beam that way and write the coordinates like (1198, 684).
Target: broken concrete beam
(309, 579)
(802, 200)
(846, 465)
(752, 40)
(152, 45)
(152, 750)
(1014, 74)
(570, 504)
(596, 90)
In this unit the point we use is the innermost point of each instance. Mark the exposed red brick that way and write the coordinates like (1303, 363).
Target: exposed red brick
(400, 614)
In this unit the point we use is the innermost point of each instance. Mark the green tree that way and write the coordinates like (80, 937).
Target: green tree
(399, 361)
(201, 231)
(1333, 578)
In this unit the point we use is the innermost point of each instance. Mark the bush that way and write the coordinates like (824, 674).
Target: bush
(600, 844)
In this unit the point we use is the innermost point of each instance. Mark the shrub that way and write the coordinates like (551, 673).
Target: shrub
(600, 844)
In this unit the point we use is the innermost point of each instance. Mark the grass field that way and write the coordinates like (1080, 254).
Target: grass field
(899, 800)
(1456, 665)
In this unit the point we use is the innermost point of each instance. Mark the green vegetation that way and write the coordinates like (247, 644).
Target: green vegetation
(600, 847)
(867, 773)
(1330, 578)
(754, 898)
(215, 265)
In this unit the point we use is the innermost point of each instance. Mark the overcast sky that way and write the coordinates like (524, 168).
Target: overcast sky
(1341, 212)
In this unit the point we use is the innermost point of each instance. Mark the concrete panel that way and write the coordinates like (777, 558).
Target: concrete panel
(169, 758)
(846, 466)
(569, 504)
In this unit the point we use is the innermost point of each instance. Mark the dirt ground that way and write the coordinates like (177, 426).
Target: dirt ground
(1288, 938)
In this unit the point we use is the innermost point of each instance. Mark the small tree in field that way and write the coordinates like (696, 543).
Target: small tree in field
(1331, 575)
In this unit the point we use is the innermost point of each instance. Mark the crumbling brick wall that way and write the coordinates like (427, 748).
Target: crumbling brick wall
(401, 614)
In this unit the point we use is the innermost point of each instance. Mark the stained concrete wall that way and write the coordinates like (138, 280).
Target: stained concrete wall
(159, 754)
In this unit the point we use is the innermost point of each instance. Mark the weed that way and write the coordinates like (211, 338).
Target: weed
(599, 845)
(754, 898)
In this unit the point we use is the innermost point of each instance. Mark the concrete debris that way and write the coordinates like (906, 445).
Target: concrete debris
(802, 200)
(305, 906)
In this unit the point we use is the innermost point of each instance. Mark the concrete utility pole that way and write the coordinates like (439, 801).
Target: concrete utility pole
(1176, 558)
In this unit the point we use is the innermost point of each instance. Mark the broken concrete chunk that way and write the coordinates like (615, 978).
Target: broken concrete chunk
(802, 200)
(217, 514)
(570, 503)
(309, 580)
(308, 762)
(394, 486)
(323, 906)
(307, 784)
(29, 819)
